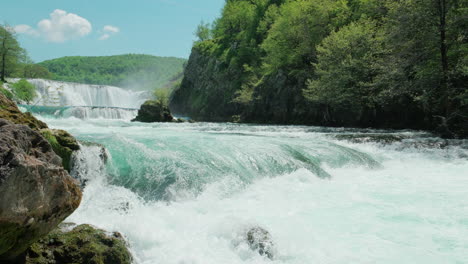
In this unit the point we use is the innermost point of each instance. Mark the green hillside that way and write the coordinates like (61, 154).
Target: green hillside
(133, 71)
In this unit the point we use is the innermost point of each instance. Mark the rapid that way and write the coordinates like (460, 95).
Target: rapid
(186, 193)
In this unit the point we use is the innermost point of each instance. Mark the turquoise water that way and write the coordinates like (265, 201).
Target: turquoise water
(186, 193)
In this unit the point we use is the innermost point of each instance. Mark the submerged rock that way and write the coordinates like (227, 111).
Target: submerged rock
(36, 193)
(153, 111)
(261, 241)
(82, 244)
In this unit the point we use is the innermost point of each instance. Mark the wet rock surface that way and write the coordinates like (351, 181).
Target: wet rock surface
(260, 240)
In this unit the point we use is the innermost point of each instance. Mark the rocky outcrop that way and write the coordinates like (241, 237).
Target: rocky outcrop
(82, 244)
(10, 112)
(154, 111)
(261, 241)
(36, 193)
(62, 142)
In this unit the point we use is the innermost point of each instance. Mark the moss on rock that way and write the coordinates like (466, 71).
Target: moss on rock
(154, 111)
(10, 112)
(83, 244)
(62, 143)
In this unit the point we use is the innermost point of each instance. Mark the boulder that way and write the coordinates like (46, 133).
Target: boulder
(82, 244)
(261, 241)
(154, 111)
(62, 142)
(36, 193)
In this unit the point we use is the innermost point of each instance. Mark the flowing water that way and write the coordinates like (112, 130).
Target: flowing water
(187, 193)
(84, 101)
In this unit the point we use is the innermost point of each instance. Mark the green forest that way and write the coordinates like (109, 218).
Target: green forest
(363, 63)
(134, 71)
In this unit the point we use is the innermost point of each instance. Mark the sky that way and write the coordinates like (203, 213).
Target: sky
(50, 29)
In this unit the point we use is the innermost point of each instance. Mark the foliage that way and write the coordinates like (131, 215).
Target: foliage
(346, 67)
(299, 28)
(203, 31)
(162, 96)
(11, 54)
(245, 95)
(33, 71)
(24, 90)
(372, 58)
(138, 72)
(6, 92)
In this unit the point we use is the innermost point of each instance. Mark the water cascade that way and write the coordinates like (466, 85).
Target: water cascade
(86, 101)
(187, 193)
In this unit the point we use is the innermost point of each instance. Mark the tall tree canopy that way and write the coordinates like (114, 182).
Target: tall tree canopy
(340, 62)
(10, 52)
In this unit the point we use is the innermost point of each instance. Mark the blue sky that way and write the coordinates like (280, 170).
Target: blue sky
(50, 29)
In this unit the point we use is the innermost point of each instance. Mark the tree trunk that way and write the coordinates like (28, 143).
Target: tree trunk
(2, 77)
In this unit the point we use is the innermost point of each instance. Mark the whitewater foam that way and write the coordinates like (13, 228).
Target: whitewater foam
(411, 208)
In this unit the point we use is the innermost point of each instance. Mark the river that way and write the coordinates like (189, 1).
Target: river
(187, 193)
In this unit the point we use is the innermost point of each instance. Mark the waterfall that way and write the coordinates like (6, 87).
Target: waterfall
(55, 93)
(85, 101)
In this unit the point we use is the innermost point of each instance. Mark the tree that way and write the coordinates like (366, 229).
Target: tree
(428, 42)
(10, 51)
(24, 90)
(35, 71)
(346, 69)
(299, 28)
(203, 31)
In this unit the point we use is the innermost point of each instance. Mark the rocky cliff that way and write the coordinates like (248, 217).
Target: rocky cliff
(207, 90)
(210, 87)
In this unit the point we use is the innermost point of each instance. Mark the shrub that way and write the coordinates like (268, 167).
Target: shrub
(24, 90)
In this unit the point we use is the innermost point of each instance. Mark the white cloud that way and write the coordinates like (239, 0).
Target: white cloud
(104, 37)
(111, 29)
(60, 27)
(63, 26)
(25, 29)
(108, 31)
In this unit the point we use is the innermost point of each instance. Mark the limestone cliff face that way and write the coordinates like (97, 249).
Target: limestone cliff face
(36, 192)
(207, 90)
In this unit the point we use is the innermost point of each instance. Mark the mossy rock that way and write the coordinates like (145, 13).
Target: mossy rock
(154, 111)
(62, 143)
(83, 244)
(10, 112)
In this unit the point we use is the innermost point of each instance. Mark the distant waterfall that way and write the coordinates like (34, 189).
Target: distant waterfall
(85, 101)
(55, 93)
